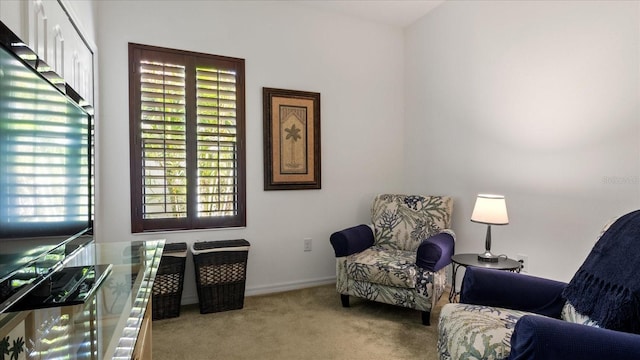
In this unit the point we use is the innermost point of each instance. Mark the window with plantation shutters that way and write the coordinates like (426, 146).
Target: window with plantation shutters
(187, 140)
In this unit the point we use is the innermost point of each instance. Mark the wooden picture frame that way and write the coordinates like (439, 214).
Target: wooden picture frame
(291, 139)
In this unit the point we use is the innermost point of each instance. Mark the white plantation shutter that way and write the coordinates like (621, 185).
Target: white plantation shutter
(187, 124)
(164, 140)
(217, 138)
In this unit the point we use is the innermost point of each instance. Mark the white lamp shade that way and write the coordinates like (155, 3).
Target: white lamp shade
(490, 209)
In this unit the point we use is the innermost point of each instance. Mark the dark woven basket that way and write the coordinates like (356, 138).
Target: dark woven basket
(167, 287)
(220, 275)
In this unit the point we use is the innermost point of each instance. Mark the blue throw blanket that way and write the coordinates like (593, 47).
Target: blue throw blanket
(607, 286)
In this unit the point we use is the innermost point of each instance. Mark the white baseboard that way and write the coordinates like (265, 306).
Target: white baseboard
(274, 288)
(295, 285)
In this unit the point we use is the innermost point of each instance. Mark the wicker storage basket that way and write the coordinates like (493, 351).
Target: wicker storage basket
(221, 268)
(167, 287)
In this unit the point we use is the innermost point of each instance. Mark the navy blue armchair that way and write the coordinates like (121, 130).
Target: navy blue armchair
(504, 315)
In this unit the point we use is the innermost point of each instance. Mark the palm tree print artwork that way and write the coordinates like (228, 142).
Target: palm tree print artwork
(293, 147)
(291, 139)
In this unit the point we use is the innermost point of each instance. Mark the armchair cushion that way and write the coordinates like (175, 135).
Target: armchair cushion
(380, 265)
(404, 221)
(537, 337)
(570, 314)
(513, 291)
(475, 331)
(351, 240)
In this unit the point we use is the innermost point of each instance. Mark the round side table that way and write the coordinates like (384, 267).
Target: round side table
(459, 260)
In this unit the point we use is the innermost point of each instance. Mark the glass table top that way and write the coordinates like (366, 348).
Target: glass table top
(107, 324)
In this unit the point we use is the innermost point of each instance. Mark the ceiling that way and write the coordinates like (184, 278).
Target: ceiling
(400, 13)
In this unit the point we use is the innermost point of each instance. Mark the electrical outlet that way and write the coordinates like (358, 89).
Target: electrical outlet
(307, 244)
(524, 260)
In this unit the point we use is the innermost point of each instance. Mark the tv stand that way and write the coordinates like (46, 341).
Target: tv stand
(97, 324)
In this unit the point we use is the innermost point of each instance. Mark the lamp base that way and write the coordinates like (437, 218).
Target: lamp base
(487, 256)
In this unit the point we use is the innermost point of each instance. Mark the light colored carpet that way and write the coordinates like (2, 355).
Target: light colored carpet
(302, 324)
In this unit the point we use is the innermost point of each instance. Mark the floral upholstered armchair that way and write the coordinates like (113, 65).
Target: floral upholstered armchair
(503, 315)
(400, 259)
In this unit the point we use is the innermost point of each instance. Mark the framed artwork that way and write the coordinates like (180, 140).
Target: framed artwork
(291, 139)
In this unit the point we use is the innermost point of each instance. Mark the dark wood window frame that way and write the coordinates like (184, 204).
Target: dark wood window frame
(202, 116)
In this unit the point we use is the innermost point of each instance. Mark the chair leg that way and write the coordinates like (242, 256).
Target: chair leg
(345, 300)
(426, 318)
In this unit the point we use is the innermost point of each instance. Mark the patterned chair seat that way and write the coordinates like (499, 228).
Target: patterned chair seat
(484, 332)
(380, 265)
(475, 331)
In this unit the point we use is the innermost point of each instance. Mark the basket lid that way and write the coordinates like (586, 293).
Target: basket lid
(220, 245)
(175, 249)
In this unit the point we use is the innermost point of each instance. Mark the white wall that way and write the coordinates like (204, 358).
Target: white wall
(536, 100)
(357, 67)
(84, 13)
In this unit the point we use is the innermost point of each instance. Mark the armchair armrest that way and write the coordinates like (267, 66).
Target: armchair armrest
(513, 291)
(351, 240)
(537, 337)
(435, 252)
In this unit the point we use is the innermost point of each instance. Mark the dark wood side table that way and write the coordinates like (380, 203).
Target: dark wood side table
(466, 260)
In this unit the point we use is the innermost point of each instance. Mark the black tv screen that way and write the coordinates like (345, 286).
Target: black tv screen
(45, 156)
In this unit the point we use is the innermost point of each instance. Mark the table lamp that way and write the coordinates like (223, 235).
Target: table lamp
(490, 210)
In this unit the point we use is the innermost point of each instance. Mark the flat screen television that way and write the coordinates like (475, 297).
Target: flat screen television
(45, 160)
